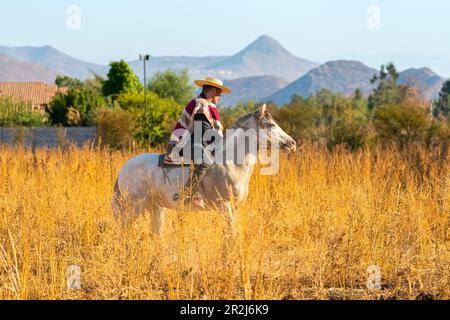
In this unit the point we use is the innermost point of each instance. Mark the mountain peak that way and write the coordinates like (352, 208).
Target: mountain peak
(266, 39)
(264, 56)
(345, 63)
(265, 43)
(424, 70)
(343, 76)
(48, 48)
(427, 82)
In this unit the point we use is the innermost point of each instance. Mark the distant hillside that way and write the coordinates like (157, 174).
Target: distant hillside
(258, 72)
(252, 88)
(425, 80)
(12, 70)
(54, 59)
(345, 77)
(337, 76)
(265, 56)
(161, 64)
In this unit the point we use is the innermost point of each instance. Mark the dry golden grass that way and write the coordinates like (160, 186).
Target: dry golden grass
(308, 233)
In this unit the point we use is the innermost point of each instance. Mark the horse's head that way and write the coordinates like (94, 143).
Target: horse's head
(273, 134)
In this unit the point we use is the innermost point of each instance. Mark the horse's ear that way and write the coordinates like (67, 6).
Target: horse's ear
(263, 110)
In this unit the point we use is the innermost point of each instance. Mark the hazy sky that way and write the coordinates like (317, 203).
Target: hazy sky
(317, 30)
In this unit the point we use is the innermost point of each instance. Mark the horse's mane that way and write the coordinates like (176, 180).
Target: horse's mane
(243, 119)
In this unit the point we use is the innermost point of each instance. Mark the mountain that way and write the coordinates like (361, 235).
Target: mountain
(252, 88)
(341, 76)
(402, 61)
(265, 56)
(12, 70)
(55, 60)
(260, 70)
(425, 80)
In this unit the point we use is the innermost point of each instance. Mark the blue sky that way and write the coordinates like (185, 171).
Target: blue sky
(413, 31)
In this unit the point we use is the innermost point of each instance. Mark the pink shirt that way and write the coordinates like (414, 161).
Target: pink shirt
(185, 121)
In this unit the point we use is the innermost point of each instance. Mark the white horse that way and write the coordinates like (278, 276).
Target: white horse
(147, 186)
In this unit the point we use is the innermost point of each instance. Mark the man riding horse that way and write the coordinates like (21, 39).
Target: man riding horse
(199, 116)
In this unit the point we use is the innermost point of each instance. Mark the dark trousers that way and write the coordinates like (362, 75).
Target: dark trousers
(200, 168)
(200, 155)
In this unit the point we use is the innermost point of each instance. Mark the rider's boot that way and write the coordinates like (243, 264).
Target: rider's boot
(196, 200)
(190, 190)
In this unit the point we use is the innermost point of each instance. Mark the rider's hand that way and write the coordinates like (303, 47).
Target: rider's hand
(170, 146)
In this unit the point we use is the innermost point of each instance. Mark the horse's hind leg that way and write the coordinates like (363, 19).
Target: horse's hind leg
(116, 201)
(230, 232)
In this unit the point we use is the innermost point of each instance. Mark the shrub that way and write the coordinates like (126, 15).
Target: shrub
(115, 127)
(83, 101)
(349, 133)
(401, 124)
(298, 118)
(13, 114)
(155, 126)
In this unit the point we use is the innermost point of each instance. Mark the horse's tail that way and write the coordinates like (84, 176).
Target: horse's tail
(115, 202)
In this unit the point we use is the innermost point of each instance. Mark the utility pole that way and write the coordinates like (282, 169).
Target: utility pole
(145, 58)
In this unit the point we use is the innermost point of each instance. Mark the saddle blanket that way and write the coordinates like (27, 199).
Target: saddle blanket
(166, 160)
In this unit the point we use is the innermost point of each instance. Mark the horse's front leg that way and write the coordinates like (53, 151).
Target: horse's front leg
(157, 218)
(231, 221)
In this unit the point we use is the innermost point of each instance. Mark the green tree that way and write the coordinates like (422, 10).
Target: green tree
(343, 120)
(359, 106)
(401, 124)
(94, 84)
(150, 130)
(155, 126)
(387, 91)
(442, 105)
(170, 84)
(298, 118)
(129, 101)
(74, 108)
(121, 79)
(68, 82)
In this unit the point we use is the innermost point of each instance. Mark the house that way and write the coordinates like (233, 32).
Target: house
(40, 94)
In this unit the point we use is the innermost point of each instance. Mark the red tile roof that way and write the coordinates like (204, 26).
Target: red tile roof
(39, 93)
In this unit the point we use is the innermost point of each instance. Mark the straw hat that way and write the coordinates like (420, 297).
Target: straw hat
(214, 83)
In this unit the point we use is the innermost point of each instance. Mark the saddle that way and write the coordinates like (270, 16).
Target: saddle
(168, 160)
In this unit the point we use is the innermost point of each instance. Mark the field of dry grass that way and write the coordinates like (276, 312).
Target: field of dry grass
(308, 233)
